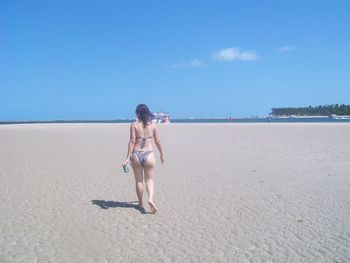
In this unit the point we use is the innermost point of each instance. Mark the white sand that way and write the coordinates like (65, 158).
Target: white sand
(227, 193)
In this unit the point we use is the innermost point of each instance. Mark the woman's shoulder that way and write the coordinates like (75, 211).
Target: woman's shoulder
(134, 124)
(152, 124)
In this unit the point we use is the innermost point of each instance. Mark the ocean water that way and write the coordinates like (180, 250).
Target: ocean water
(202, 120)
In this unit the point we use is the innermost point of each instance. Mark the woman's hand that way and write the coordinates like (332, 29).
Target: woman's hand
(126, 162)
(162, 159)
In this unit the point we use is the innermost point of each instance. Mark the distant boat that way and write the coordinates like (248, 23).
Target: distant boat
(161, 117)
(341, 117)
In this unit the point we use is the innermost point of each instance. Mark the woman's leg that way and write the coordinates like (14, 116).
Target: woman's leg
(149, 174)
(137, 168)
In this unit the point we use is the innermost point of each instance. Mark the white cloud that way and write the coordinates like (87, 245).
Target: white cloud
(285, 49)
(231, 54)
(196, 63)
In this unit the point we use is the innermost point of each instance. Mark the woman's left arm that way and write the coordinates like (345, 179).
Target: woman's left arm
(131, 144)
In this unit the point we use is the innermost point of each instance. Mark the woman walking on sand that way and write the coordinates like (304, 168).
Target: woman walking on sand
(141, 155)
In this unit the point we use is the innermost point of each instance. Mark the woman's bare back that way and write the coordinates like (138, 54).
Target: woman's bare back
(143, 136)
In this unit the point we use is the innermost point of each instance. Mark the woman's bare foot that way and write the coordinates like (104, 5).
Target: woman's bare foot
(153, 207)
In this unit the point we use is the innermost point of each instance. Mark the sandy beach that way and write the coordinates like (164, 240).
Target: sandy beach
(226, 193)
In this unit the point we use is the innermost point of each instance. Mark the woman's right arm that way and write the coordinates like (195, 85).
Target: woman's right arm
(158, 144)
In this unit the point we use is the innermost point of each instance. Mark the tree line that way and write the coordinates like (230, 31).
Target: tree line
(322, 110)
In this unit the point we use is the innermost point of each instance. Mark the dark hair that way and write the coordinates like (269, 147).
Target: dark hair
(143, 114)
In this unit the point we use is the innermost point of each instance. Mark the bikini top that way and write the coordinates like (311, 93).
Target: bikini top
(143, 140)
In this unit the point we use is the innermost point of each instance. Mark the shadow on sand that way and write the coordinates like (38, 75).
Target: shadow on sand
(103, 204)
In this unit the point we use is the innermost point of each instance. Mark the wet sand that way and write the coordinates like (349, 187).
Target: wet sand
(263, 192)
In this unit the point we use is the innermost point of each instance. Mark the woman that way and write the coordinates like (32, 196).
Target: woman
(141, 155)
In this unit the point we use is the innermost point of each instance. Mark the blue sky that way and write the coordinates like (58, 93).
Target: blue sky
(99, 59)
